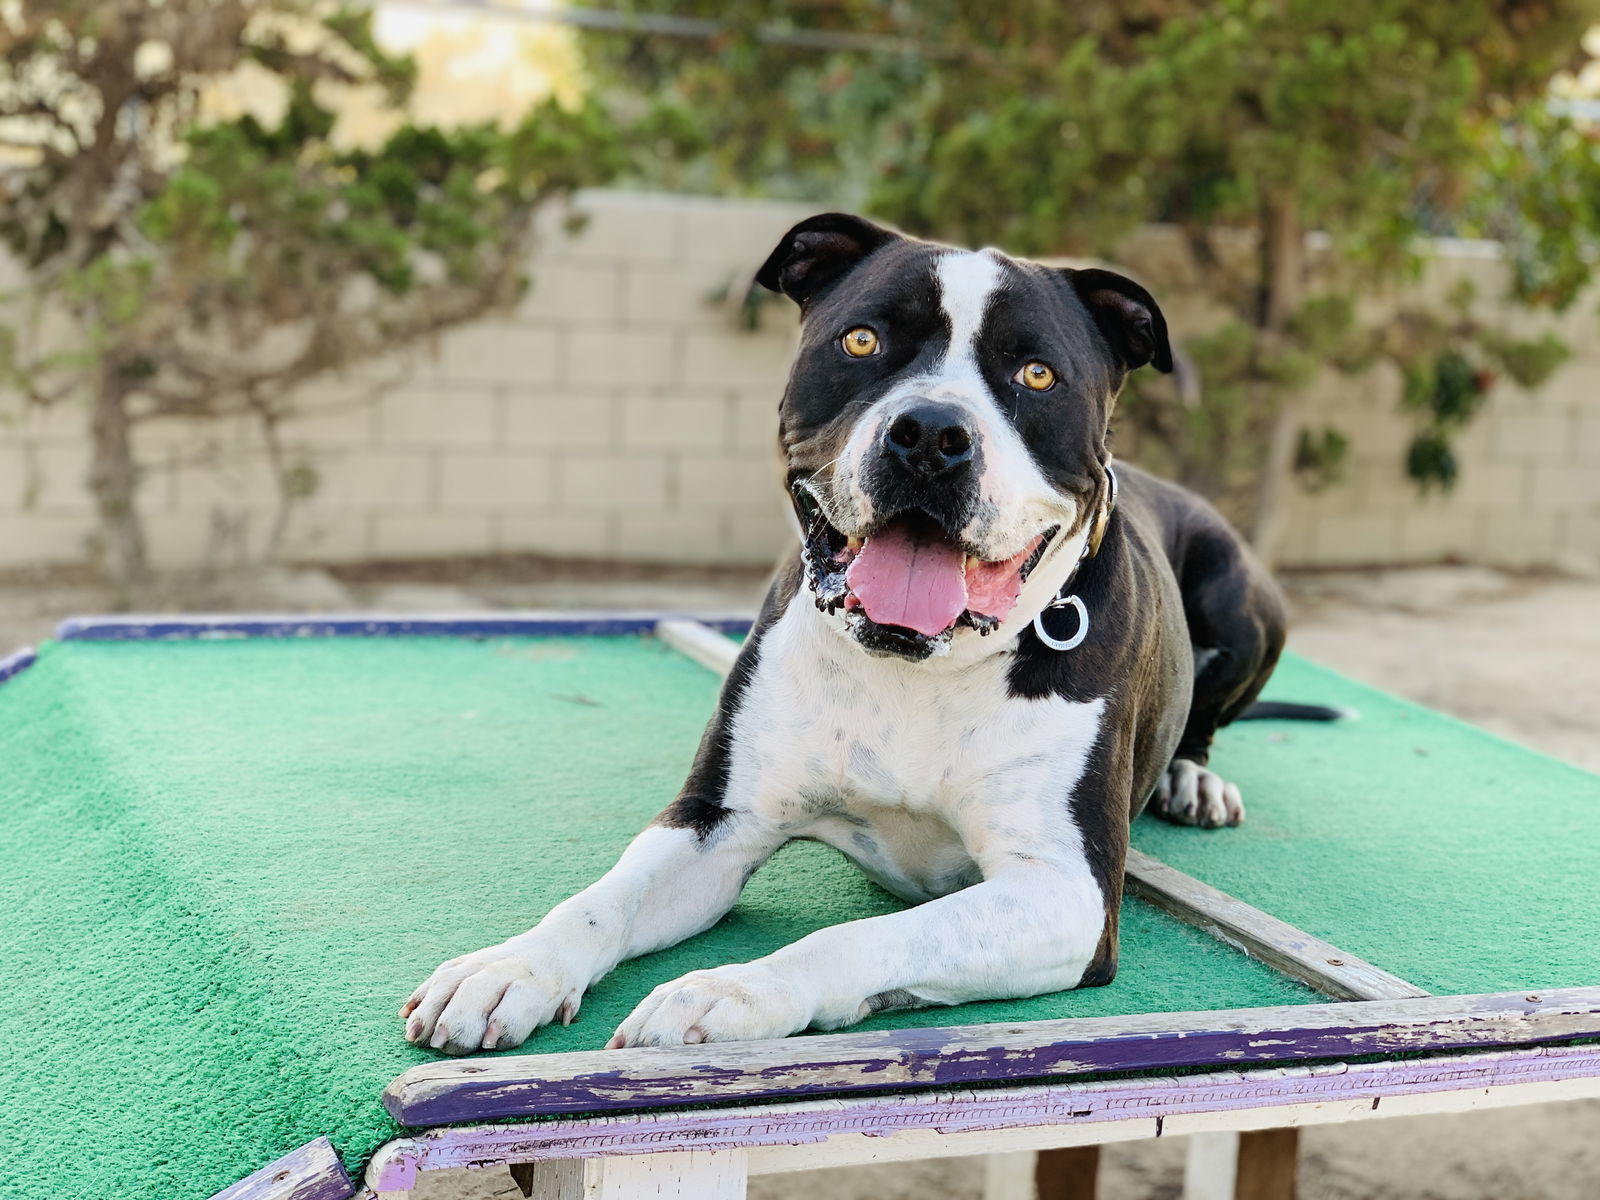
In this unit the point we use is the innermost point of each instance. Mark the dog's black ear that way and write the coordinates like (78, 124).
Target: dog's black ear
(1128, 317)
(818, 251)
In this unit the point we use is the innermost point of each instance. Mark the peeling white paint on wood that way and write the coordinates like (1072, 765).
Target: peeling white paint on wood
(795, 1136)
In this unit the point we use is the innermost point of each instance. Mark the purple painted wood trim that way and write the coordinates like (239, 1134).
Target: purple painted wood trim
(16, 663)
(313, 1172)
(395, 1165)
(290, 625)
(487, 1089)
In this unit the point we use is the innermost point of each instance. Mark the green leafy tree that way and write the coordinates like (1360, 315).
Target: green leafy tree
(183, 267)
(1057, 129)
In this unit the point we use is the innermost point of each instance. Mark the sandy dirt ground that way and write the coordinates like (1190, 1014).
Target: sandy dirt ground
(1515, 654)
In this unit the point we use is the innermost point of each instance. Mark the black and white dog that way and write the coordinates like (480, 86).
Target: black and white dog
(979, 663)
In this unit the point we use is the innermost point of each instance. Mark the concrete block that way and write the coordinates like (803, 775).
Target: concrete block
(372, 480)
(496, 352)
(1344, 539)
(626, 227)
(334, 414)
(1581, 533)
(176, 540)
(568, 535)
(672, 422)
(611, 483)
(231, 481)
(1298, 544)
(421, 416)
(1537, 435)
(672, 538)
(1556, 486)
(560, 418)
(501, 482)
(759, 534)
(424, 534)
(1488, 482)
(621, 358)
(753, 419)
(565, 291)
(681, 294)
(739, 231)
(1429, 535)
(725, 358)
(16, 474)
(65, 421)
(1586, 438)
(1516, 540)
(321, 535)
(726, 481)
(1575, 384)
(28, 539)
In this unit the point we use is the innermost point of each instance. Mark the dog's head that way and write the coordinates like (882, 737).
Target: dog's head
(945, 426)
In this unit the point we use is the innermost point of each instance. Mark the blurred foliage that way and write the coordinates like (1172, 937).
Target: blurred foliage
(1541, 199)
(207, 265)
(1057, 129)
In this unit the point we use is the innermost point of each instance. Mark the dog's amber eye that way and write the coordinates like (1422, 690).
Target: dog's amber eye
(1037, 376)
(860, 342)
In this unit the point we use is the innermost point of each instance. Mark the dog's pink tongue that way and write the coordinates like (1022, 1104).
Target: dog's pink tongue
(917, 583)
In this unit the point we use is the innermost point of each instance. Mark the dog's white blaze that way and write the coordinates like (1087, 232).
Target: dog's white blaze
(1020, 499)
(967, 284)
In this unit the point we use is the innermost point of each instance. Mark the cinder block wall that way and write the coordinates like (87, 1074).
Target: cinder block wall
(620, 413)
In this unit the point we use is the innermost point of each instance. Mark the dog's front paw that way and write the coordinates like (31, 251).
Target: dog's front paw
(492, 999)
(728, 1004)
(1190, 794)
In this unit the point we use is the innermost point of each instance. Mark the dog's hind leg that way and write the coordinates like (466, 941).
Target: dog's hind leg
(1236, 625)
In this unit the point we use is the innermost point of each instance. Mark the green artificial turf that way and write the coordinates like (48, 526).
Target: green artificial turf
(1452, 858)
(226, 863)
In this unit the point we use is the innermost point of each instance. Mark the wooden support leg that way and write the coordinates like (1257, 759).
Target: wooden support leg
(1068, 1174)
(676, 1175)
(1260, 1165)
(1268, 1162)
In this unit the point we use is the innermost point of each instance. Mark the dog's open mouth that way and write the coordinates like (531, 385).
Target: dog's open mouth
(910, 579)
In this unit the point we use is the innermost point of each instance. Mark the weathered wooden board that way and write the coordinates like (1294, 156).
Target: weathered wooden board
(1332, 971)
(313, 1172)
(800, 1135)
(17, 662)
(136, 627)
(488, 1089)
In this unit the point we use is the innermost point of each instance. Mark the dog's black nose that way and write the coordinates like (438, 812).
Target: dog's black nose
(930, 439)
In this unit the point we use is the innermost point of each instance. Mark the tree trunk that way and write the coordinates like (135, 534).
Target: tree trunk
(114, 480)
(1282, 274)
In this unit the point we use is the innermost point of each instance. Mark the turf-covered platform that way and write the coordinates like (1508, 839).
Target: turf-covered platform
(226, 861)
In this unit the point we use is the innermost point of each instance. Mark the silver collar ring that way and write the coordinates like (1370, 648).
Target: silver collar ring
(1073, 642)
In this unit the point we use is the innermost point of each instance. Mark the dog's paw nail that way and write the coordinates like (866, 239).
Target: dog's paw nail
(616, 1042)
(693, 1037)
(568, 1012)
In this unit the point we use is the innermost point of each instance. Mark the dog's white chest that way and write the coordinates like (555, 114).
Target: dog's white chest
(918, 771)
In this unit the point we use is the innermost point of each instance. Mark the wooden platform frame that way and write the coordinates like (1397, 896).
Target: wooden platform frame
(849, 1098)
